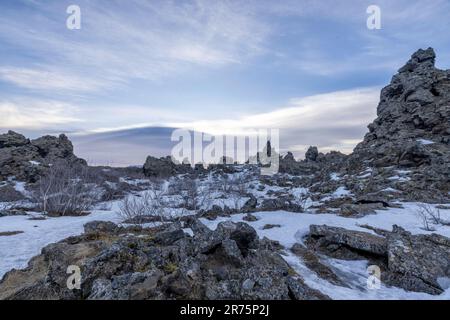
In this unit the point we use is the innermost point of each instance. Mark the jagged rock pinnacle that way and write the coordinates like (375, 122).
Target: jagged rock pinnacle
(420, 59)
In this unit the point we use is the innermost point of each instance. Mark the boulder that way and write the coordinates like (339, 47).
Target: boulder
(330, 239)
(100, 227)
(418, 263)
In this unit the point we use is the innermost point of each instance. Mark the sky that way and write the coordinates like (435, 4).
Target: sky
(137, 69)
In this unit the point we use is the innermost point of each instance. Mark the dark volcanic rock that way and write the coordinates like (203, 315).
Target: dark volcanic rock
(164, 167)
(166, 263)
(12, 139)
(311, 154)
(412, 130)
(412, 262)
(315, 163)
(330, 239)
(418, 262)
(26, 160)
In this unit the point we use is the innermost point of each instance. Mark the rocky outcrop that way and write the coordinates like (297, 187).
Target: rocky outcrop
(164, 263)
(413, 262)
(406, 153)
(27, 159)
(412, 130)
(315, 163)
(311, 154)
(166, 167)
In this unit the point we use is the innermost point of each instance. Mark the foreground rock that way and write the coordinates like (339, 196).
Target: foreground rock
(412, 262)
(166, 263)
(27, 159)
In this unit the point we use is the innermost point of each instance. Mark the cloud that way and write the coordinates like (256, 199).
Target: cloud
(38, 79)
(147, 41)
(331, 121)
(157, 40)
(330, 110)
(35, 114)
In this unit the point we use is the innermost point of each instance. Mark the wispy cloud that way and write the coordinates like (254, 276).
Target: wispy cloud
(332, 121)
(42, 79)
(150, 40)
(35, 114)
(330, 110)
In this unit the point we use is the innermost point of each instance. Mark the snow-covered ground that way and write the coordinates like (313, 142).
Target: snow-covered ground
(17, 250)
(294, 226)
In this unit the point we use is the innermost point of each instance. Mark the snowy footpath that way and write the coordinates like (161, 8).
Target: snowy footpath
(17, 250)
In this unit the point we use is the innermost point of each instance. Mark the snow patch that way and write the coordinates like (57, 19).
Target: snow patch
(341, 192)
(425, 142)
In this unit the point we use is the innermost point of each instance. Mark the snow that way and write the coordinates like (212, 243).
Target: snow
(390, 190)
(355, 275)
(444, 282)
(20, 187)
(17, 250)
(399, 179)
(334, 176)
(189, 231)
(295, 226)
(341, 192)
(425, 142)
(299, 192)
(366, 173)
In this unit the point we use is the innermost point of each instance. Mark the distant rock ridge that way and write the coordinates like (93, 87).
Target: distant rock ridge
(26, 159)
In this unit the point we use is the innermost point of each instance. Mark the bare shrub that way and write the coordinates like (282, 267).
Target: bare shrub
(233, 183)
(429, 216)
(133, 208)
(304, 200)
(4, 207)
(236, 200)
(189, 194)
(204, 196)
(63, 191)
(234, 188)
(239, 185)
(193, 195)
(224, 184)
(148, 206)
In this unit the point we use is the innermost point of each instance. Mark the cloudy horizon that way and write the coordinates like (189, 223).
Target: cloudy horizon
(136, 70)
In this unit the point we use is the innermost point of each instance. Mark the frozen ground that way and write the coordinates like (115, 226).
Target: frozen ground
(294, 226)
(16, 251)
